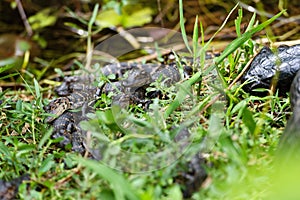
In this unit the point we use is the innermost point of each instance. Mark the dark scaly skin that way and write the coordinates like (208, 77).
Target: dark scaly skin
(119, 69)
(295, 93)
(289, 145)
(265, 65)
(78, 92)
(9, 189)
(79, 83)
(66, 126)
(75, 100)
(138, 79)
(71, 84)
(261, 71)
(195, 174)
(57, 107)
(138, 76)
(170, 74)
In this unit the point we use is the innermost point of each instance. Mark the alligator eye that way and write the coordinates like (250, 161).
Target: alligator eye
(265, 50)
(282, 48)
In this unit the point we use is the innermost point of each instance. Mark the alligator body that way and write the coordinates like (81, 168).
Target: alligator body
(285, 62)
(79, 93)
(289, 145)
(78, 90)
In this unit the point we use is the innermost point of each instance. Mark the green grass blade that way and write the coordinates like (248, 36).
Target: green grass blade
(238, 22)
(221, 27)
(37, 89)
(228, 50)
(44, 139)
(246, 36)
(9, 75)
(249, 120)
(201, 53)
(120, 186)
(4, 150)
(195, 38)
(94, 15)
(75, 16)
(196, 77)
(251, 22)
(184, 89)
(27, 86)
(181, 22)
(4, 66)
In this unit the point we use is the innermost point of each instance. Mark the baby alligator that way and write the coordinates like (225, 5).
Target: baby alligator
(78, 92)
(286, 62)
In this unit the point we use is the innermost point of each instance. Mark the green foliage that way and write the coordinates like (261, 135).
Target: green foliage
(120, 186)
(42, 19)
(126, 16)
(248, 120)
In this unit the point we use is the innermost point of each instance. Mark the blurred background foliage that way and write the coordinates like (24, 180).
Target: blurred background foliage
(60, 27)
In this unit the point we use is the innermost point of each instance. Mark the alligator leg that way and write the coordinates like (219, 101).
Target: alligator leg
(65, 126)
(78, 140)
